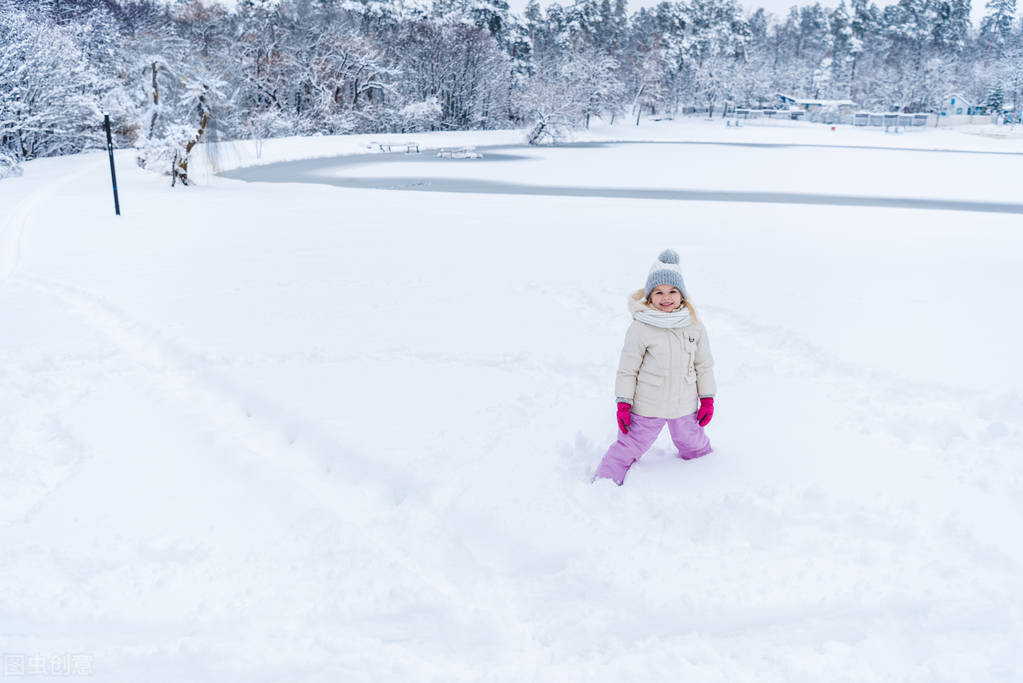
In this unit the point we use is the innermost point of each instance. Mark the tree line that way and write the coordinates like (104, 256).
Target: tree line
(175, 73)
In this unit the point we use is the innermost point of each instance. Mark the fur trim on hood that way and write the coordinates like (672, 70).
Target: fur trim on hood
(637, 302)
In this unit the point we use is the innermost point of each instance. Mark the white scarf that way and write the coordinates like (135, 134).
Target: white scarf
(679, 318)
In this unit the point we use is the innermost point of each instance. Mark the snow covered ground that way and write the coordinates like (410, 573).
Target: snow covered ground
(293, 431)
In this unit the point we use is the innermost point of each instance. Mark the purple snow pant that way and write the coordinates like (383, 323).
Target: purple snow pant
(685, 431)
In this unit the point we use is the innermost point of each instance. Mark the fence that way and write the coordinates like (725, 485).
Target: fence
(975, 120)
(775, 114)
(886, 120)
(891, 119)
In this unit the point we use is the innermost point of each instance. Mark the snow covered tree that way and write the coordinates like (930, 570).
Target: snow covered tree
(592, 78)
(172, 67)
(866, 50)
(996, 29)
(844, 49)
(951, 27)
(173, 73)
(649, 90)
(995, 99)
(566, 90)
(347, 74)
(490, 15)
(550, 104)
(47, 105)
(460, 65)
(200, 97)
(754, 79)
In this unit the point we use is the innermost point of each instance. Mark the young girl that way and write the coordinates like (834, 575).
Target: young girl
(666, 373)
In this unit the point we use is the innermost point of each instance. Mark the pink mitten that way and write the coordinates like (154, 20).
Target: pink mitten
(706, 411)
(624, 417)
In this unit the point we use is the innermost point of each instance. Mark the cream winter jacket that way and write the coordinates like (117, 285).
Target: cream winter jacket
(664, 372)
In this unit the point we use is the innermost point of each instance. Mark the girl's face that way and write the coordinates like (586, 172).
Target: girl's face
(665, 298)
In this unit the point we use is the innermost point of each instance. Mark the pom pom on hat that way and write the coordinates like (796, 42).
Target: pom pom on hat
(668, 256)
(666, 271)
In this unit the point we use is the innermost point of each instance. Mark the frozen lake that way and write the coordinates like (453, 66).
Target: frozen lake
(836, 175)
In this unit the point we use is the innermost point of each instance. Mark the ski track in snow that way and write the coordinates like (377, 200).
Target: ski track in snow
(14, 226)
(290, 448)
(259, 424)
(43, 450)
(253, 420)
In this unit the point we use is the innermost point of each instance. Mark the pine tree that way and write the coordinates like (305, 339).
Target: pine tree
(996, 28)
(843, 47)
(951, 26)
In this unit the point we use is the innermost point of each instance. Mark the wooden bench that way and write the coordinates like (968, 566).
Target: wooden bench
(408, 147)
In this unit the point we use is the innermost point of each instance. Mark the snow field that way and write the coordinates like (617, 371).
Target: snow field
(303, 432)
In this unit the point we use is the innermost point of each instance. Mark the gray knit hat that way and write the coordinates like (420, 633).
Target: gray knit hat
(665, 271)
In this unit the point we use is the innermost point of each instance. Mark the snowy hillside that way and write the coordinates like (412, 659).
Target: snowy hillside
(302, 432)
